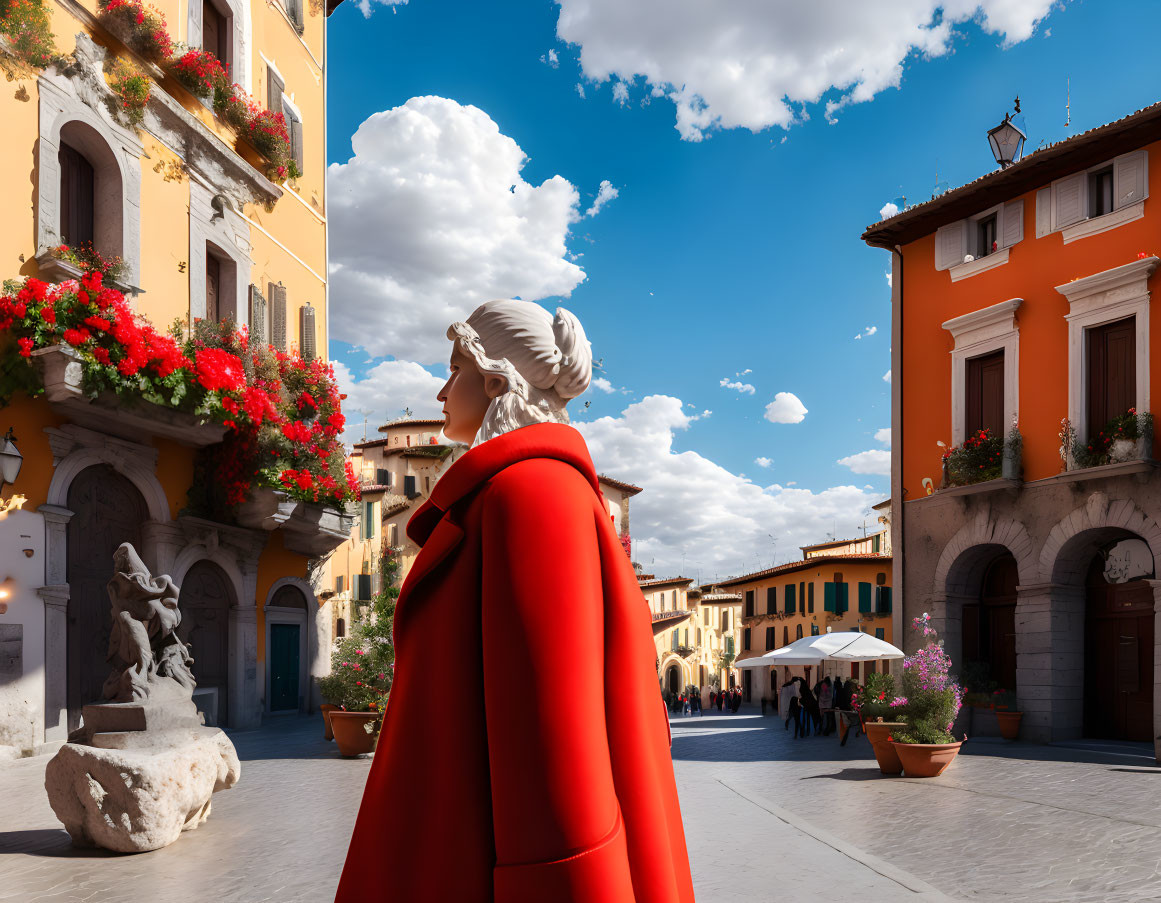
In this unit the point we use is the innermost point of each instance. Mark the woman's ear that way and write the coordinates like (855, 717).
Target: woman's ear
(495, 384)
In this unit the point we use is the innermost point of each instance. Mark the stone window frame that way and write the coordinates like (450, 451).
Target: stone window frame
(977, 333)
(214, 222)
(1095, 300)
(307, 640)
(240, 37)
(64, 100)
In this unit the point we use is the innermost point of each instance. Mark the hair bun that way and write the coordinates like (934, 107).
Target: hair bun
(576, 365)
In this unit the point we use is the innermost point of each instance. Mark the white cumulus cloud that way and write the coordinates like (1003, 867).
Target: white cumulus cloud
(888, 210)
(744, 388)
(383, 393)
(599, 382)
(430, 217)
(688, 495)
(884, 436)
(605, 194)
(876, 461)
(760, 63)
(621, 93)
(764, 462)
(550, 59)
(785, 408)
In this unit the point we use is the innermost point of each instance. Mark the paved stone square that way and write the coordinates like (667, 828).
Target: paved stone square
(767, 818)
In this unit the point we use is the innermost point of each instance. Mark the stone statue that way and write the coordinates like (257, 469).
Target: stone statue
(142, 767)
(143, 647)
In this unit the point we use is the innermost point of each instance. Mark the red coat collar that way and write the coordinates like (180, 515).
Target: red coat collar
(479, 464)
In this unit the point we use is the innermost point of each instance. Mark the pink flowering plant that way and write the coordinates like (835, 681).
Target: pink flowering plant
(877, 700)
(360, 677)
(931, 696)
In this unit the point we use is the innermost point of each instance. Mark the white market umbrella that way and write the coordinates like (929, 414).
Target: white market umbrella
(845, 646)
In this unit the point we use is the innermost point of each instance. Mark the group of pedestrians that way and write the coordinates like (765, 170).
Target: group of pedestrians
(812, 710)
(697, 701)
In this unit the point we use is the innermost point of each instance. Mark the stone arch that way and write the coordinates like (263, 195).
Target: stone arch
(207, 624)
(683, 669)
(133, 467)
(1075, 539)
(314, 641)
(975, 543)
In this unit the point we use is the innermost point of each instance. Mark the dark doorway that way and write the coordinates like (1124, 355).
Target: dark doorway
(985, 394)
(747, 680)
(205, 600)
(673, 679)
(284, 645)
(989, 625)
(107, 511)
(213, 288)
(1112, 372)
(77, 187)
(1118, 657)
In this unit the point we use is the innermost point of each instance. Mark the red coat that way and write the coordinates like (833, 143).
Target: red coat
(500, 775)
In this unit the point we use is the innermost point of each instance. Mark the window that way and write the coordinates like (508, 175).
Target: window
(749, 603)
(673, 641)
(1100, 192)
(771, 637)
(340, 627)
(77, 187)
(213, 287)
(799, 632)
(1112, 371)
(699, 636)
(984, 409)
(729, 645)
(986, 240)
(215, 32)
(814, 630)
(294, 13)
(725, 620)
(339, 583)
(883, 602)
(789, 599)
(879, 633)
(686, 635)
(855, 670)
(771, 600)
(865, 597)
(293, 131)
(785, 636)
(810, 598)
(746, 638)
(881, 579)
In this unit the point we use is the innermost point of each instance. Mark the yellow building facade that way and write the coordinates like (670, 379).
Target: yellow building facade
(696, 632)
(204, 233)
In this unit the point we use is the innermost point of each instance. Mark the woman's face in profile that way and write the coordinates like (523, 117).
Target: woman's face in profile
(465, 398)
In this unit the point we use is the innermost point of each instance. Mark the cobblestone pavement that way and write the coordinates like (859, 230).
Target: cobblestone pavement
(767, 818)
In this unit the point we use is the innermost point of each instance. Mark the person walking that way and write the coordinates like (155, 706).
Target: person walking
(825, 704)
(695, 700)
(786, 695)
(763, 705)
(686, 706)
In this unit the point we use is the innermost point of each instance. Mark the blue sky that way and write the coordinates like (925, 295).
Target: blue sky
(739, 251)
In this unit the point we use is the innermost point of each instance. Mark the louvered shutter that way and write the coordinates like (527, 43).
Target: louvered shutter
(843, 600)
(296, 141)
(1129, 185)
(277, 310)
(1067, 201)
(1043, 212)
(771, 600)
(864, 597)
(884, 600)
(258, 319)
(749, 602)
(950, 244)
(363, 587)
(828, 596)
(1013, 223)
(275, 87)
(306, 332)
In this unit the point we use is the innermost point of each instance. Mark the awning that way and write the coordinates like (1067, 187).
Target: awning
(847, 646)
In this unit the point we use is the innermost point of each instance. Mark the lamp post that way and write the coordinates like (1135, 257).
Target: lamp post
(10, 460)
(1007, 139)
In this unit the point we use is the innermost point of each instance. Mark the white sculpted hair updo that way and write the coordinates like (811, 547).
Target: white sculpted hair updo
(546, 360)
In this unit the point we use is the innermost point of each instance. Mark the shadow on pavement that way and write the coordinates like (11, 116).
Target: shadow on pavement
(53, 842)
(848, 774)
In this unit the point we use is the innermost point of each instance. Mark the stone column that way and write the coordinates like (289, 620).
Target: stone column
(162, 542)
(318, 650)
(55, 594)
(1050, 661)
(1156, 585)
(245, 708)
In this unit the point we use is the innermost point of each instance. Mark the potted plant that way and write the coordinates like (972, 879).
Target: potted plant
(1131, 435)
(932, 699)
(1006, 714)
(879, 709)
(356, 689)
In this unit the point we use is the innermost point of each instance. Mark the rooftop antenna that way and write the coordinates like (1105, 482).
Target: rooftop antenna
(1068, 102)
(364, 427)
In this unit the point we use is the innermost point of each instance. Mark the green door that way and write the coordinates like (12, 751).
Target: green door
(283, 667)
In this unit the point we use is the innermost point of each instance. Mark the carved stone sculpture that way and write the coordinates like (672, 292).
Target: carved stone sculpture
(142, 767)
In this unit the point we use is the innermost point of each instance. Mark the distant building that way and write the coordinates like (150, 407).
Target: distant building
(695, 631)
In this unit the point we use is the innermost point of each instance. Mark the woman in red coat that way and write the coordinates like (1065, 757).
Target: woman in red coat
(522, 590)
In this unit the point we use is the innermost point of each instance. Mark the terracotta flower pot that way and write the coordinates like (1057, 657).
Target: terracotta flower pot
(326, 708)
(1009, 724)
(351, 734)
(926, 760)
(879, 733)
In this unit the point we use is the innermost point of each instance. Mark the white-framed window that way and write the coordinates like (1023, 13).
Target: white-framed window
(1096, 301)
(977, 335)
(979, 242)
(1096, 199)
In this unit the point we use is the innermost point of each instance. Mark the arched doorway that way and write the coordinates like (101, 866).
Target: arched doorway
(1118, 655)
(673, 679)
(989, 624)
(205, 602)
(285, 644)
(107, 511)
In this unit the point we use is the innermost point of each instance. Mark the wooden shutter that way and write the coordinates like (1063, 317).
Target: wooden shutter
(771, 600)
(295, 129)
(843, 597)
(984, 408)
(76, 197)
(1112, 372)
(1129, 185)
(258, 320)
(214, 30)
(1043, 212)
(213, 287)
(884, 606)
(277, 308)
(275, 87)
(1068, 201)
(746, 640)
(306, 332)
(828, 596)
(749, 602)
(1013, 224)
(865, 597)
(785, 636)
(950, 244)
(810, 598)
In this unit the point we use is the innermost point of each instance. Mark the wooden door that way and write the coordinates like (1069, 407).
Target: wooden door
(214, 30)
(284, 647)
(213, 287)
(1118, 665)
(989, 625)
(1112, 372)
(77, 184)
(107, 511)
(204, 601)
(985, 394)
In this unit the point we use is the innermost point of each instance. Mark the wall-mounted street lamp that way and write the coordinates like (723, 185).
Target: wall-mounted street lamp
(1007, 139)
(10, 460)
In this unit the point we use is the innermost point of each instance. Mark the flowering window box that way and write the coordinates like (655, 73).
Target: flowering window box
(265, 509)
(314, 529)
(55, 269)
(984, 458)
(61, 369)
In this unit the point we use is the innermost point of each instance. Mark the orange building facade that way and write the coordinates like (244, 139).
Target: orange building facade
(1022, 300)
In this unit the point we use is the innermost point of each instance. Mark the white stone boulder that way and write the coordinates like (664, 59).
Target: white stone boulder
(140, 798)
